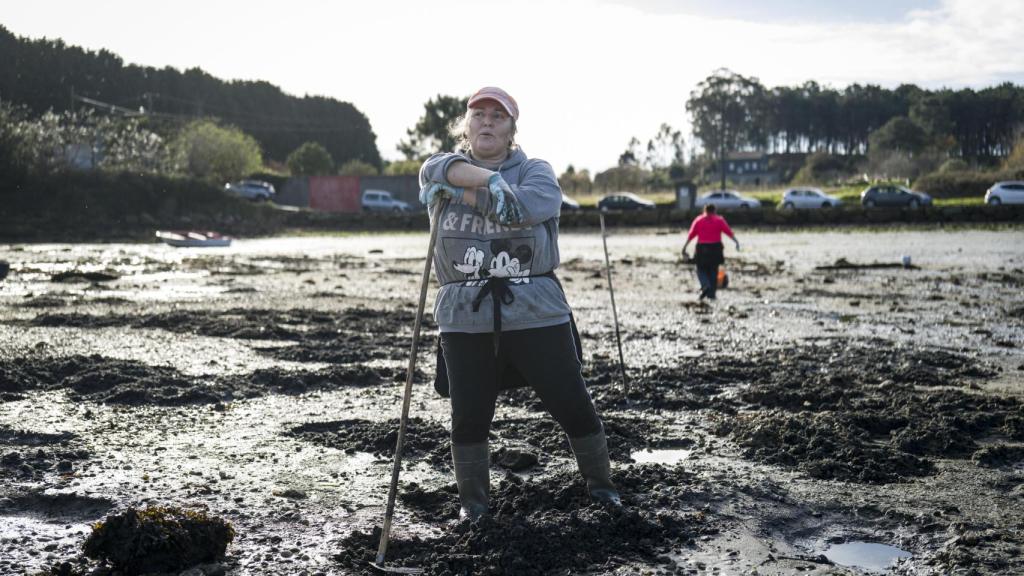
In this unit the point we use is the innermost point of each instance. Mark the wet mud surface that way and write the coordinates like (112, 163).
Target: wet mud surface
(261, 387)
(551, 527)
(98, 379)
(351, 335)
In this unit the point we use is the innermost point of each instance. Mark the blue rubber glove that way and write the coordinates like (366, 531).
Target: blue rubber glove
(737, 242)
(435, 191)
(505, 205)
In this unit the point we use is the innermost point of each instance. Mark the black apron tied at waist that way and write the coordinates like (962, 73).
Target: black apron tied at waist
(498, 288)
(500, 293)
(709, 255)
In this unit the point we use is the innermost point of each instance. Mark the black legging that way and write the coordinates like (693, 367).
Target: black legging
(546, 357)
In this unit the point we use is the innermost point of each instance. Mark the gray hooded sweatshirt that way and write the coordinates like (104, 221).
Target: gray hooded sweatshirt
(473, 247)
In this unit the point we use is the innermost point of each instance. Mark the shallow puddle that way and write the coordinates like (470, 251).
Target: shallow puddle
(867, 555)
(667, 456)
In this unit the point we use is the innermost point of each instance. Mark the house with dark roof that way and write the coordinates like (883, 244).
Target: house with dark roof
(750, 168)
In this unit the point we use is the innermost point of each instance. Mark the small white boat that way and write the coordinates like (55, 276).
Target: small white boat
(192, 238)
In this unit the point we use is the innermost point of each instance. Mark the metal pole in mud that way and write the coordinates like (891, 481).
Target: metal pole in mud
(615, 314)
(385, 533)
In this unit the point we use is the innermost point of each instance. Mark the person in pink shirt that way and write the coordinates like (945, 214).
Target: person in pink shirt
(708, 229)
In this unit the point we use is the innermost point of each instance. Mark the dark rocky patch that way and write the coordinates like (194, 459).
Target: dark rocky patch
(62, 506)
(45, 301)
(625, 434)
(99, 379)
(823, 445)
(999, 455)
(81, 276)
(978, 550)
(514, 459)
(351, 335)
(160, 539)
(422, 438)
(655, 389)
(29, 438)
(29, 456)
(865, 411)
(548, 526)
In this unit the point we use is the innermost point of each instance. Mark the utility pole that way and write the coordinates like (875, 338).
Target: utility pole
(721, 144)
(721, 156)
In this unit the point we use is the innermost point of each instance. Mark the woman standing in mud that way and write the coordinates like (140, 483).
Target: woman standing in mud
(708, 229)
(498, 241)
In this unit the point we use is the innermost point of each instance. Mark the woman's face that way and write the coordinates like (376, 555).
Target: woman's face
(490, 130)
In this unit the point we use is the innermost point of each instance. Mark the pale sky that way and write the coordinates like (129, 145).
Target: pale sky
(588, 74)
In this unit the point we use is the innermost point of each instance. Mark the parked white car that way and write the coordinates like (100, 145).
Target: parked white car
(807, 199)
(1005, 193)
(256, 190)
(727, 200)
(382, 201)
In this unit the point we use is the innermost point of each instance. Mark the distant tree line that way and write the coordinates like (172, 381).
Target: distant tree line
(734, 112)
(48, 75)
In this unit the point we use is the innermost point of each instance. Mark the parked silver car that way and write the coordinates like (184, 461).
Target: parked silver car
(807, 199)
(1005, 193)
(383, 201)
(727, 200)
(251, 189)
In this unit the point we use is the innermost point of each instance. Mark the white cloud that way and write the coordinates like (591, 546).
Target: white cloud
(588, 75)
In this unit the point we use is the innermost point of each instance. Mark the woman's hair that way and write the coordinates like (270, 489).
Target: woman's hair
(709, 208)
(459, 130)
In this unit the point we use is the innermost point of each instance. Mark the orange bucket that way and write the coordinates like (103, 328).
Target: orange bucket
(723, 278)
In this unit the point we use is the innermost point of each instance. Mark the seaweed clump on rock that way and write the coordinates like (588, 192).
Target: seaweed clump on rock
(158, 539)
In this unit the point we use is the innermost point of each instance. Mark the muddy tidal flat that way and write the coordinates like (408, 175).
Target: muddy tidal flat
(831, 413)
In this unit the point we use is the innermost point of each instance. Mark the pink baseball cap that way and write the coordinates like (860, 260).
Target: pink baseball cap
(498, 95)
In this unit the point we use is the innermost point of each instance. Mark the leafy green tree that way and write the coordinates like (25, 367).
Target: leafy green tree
(728, 113)
(215, 153)
(1015, 161)
(431, 133)
(357, 168)
(310, 159)
(899, 134)
(46, 74)
(53, 142)
(15, 157)
(665, 149)
(631, 157)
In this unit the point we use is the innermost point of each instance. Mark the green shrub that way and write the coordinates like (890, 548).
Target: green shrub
(953, 165)
(310, 159)
(957, 184)
(824, 168)
(356, 167)
(402, 168)
(216, 154)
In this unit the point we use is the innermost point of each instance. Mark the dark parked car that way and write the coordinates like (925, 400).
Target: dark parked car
(624, 201)
(893, 196)
(569, 205)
